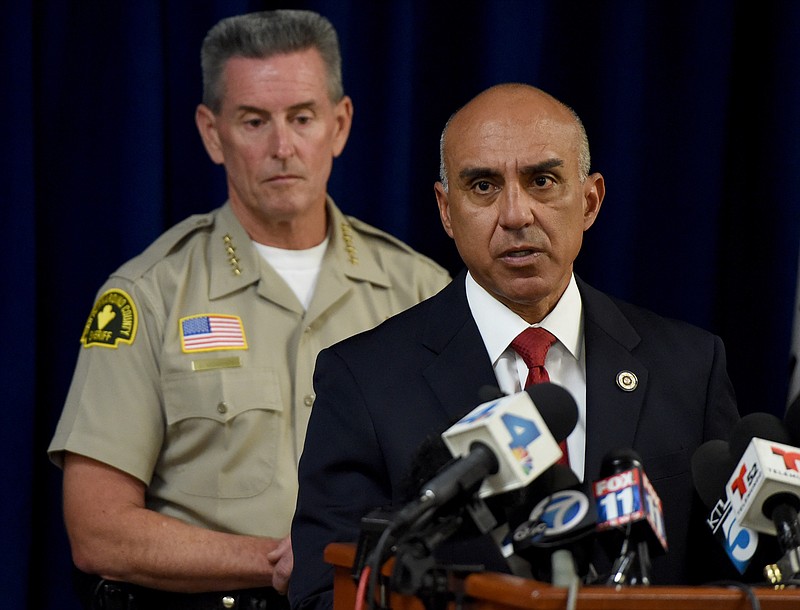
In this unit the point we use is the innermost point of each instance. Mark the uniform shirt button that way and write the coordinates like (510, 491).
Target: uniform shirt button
(308, 400)
(228, 602)
(222, 408)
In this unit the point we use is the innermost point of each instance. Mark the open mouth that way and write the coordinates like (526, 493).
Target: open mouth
(521, 253)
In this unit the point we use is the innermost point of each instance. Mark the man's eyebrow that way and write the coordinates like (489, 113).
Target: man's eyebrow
(308, 105)
(537, 168)
(468, 174)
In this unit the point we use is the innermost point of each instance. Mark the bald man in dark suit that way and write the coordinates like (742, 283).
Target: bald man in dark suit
(516, 195)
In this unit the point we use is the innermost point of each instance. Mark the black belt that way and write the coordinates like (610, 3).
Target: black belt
(101, 594)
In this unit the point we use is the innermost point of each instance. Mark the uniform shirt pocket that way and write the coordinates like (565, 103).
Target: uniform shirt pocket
(223, 431)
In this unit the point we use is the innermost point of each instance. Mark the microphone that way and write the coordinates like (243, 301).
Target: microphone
(765, 486)
(711, 464)
(499, 447)
(629, 510)
(560, 524)
(513, 429)
(457, 482)
(554, 403)
(556, 406)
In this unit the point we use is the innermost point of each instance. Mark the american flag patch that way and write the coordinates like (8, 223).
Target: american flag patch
(208, 332)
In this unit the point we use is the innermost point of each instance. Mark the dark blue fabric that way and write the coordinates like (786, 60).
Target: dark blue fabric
(692, 109)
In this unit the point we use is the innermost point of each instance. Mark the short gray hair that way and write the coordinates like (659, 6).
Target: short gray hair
(264, 34)
(584, 158)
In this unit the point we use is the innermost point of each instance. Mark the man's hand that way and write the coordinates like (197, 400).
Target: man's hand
(282, 562)
(114, 535)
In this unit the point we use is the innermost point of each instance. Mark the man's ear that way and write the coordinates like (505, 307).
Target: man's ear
(443, 202)
(594, 191)
(206, 122)
(343, 111)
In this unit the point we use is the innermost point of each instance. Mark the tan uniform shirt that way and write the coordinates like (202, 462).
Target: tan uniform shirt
(195, 374)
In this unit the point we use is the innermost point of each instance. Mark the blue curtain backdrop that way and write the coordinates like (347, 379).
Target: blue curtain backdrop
(692, 109)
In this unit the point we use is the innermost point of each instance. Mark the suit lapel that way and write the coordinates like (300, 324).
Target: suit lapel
(461, 365)
(612, 413)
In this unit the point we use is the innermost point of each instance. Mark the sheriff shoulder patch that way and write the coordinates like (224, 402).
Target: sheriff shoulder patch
(113, 320)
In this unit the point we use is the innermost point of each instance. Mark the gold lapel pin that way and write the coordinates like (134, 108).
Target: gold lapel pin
(627, 381)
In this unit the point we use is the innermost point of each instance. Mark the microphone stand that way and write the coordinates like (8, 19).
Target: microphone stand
(416, 572)
(787, 530)
(785, 569)
(632, 567)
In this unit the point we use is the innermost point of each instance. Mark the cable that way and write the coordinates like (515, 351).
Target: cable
(745, 588)
(375, 561)
(362, 586)
(572, 595)
(565, 576)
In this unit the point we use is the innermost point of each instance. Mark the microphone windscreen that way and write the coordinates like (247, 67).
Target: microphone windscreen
(430, 457)
(488, 393)
(618, 460)
(757, 425)
(712, 465)
(556, 478)
(557, 408)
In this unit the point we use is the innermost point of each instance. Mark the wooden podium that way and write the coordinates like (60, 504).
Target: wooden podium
(492, 591)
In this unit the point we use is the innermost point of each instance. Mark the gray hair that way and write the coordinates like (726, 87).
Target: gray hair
(262, 35)
(584, 158)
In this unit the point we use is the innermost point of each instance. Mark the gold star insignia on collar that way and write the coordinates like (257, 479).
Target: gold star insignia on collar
(347, 237)
(230, 250)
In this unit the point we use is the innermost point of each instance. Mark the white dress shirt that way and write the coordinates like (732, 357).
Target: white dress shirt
(565, 361)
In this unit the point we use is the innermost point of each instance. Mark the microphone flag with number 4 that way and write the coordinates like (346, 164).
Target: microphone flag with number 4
(517, 434)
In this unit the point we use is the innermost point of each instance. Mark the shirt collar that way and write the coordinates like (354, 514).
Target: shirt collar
(499, 325)
(235, 261)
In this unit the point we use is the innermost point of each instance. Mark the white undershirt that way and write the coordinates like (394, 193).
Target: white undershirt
(298, 268)
(565, 362)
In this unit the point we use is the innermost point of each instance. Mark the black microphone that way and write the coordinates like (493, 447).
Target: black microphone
(630, 517)
(499, 447)
(522, 430)
(457, 482)
(554, 403)
(559, 522)
(511, 508)
(712, 464)
(556, 406)
(765, 487)
(489, 392)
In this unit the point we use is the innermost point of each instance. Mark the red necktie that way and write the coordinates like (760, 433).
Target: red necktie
(532, 345)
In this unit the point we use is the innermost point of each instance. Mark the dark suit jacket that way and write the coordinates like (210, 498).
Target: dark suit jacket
(380, 393)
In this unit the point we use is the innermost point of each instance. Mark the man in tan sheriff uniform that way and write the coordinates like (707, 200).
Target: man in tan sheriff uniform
(188, 408)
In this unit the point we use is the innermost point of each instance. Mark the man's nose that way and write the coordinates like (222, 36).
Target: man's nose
(515, 209)
(282, 144)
